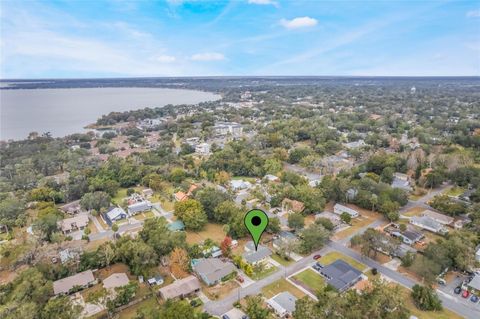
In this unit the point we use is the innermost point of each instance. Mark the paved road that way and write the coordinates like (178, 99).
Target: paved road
(422, 201)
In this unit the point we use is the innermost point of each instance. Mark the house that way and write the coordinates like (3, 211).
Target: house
(181, 196)
(356, 144)
(180, 288)
(212, 270)
(340, 209)
(439, 218)
(258, 256)
(81, 280)
(69, 225)
(72, 208)
(408, 237)
(402, 249)
(202, 149)
(239, 184)
(428, 223)
(114, 214)
(139, 207)
(290, 205)
(283, 238)
(116, 280)
(271, 178)
(334, 218)
(401, 181)
(177, 225)
(461, 221)
(475, 283)
(147, 192)
(228, 128)
(341, 275)
(234, 313)
(155, 280)
(283, 304)
(213, 251)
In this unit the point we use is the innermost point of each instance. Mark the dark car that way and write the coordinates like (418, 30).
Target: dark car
(225, 317)
(457, 290)
(474, 298)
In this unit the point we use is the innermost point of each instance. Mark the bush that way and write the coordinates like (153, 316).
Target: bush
(374, 271)
(425, 298)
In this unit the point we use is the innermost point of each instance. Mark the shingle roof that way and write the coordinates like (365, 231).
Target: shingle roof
(340, 274)
(475, 283)
(180, 287)
(66, 284)
(212, 269)
(255, 256)
(283, 301)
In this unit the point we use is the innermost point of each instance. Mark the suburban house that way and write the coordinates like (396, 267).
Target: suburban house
(212, 270)
(401, 181)
(439, 218)
(177, 225)
(428, 223)
(283, 304)
(202, 149)
(284, 237)
(180, 288)
(72, 208)
(408, 237)
(340, 209)
(228, 128)
(81, 280)
(181, 196)
(116, 280)
(114, 214)
(139, 207)
(69, 225)
(238, 184)
(294, 206)
(253, 256)
(147, 192)
(475, 283)
(341, 275)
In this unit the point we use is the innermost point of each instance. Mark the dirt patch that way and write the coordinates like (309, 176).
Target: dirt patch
(112, 269)
(221, 290)
(415, 211)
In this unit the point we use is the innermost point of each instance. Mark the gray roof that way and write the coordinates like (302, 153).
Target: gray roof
(283, 301)
(475, 283)
(139, 207)
(254, 256)
(427, 222)
(340, 274)
(212, 269)
(180, 288)
(115, 212)
(63, 286)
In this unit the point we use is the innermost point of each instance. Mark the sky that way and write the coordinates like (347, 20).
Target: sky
(87, 39)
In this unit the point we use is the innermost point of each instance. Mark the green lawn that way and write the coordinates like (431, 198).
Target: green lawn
(264, 273)
(121, 194)
(281, 261)
(455, 191)
(310, 279)
(444, 314)
(279, 286)
(334, 255)
(130, 312)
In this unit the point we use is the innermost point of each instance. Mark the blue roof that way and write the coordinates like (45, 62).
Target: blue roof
(176, 226)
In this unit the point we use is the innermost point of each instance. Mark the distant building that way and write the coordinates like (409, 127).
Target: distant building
(139, 207)
(283, 304)
(238, 184)
(69, 225)
(147, 192)
(72, 208)
(212, 270)
(290, 205)
(228, 128)
(341, 275)
(356, 144)
(439, 218)
(408, 237)
(114, 214)
(401, 181)
(181, 288)
(428, 223)
(81, 280)
(340, 209)
(202, 149)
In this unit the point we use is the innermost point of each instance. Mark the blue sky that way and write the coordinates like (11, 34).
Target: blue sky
(70, 39)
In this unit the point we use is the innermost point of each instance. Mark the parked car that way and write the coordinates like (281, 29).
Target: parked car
(474, 298)
(457, 290)
(317, 257)
(225, 317)
(465, 294)
(240, 279)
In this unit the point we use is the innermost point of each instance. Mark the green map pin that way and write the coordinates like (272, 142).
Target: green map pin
(256, 222)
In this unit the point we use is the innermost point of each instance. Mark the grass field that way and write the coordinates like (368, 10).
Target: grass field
(415, 211)
(310, 280)
(334, 255)
(130, 312)
(279, 286)
(455, 191)
(281, 261)
(212, 231)
(264, 273)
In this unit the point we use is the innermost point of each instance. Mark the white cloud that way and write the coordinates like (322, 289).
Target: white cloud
(165, 59)
(473, 14)
(208, 56)
(264, 2)
(300, 22)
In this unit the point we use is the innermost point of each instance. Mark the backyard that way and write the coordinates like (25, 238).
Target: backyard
(264, 273)
(310, 280)
(212, 231)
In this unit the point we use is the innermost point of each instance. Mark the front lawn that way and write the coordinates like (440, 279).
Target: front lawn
(264, 273)
(281, 261)
(334, 255)
(279, 286)
(310, 280)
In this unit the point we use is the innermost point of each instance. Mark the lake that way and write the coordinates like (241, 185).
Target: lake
(65, 111)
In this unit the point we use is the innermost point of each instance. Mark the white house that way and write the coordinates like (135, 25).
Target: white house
(477, 255)
(428, 223)
(283, 304)
(340, 209)
(202, 149)
(240, 184)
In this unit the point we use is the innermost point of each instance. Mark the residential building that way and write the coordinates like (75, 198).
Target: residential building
(213, 251)
(116, 280)
(114, 214)
(439, 218)
(428, 223)
(401, 181)
(72, 208)
(180, 288)
(155, 280)
(139, 207)
(67, 255)
(69, 225)
(475, 283)
(228, 128)
(356, 144)
(341, 275)
(212, 270)
(284, 237)
(202, 149)
(339, 209)
(408, 237)
(147, 192)
(283, 304)
(334, 218)
(238, 184)
(81, 280)
(292, 206)
(258, 256)
(181, 196)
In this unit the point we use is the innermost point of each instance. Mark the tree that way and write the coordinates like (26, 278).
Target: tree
(136, 254)
(224, 211)
(254, 308)
(346, 218)
(47, 222)
(313, 237)
(156, 234)
(325, 222)
(179, 262)
(60, 308)
(191, 212)
(273, 225)
(174, 309)
(222, 178)
(296, 221)
(425, 298)
(210, 198)
(95, 200)
(226, 246)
